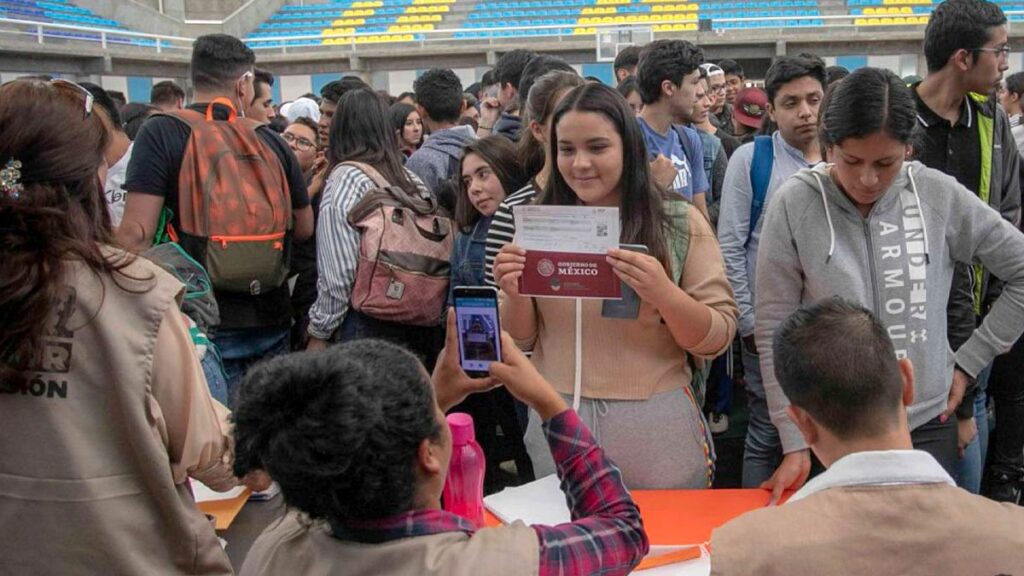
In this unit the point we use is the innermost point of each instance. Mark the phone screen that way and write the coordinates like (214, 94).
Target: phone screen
(476, 315)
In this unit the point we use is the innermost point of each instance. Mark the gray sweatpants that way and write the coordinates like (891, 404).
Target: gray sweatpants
(660, 443)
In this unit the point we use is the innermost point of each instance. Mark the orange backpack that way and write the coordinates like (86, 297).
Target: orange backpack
(234, 203)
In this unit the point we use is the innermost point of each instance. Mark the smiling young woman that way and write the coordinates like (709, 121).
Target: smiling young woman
(645, 385)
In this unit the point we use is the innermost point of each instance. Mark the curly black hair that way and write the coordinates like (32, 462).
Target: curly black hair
(662, 60)
(439, 92)
(338, 430)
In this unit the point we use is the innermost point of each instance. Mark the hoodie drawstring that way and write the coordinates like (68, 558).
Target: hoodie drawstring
(920, 213)
(577, 391)
(828, 216)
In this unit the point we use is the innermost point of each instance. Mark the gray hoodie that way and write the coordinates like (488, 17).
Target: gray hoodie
(815, 244)
(441, 150)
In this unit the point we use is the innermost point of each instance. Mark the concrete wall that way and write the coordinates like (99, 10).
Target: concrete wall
(179, 17)
(142, 15)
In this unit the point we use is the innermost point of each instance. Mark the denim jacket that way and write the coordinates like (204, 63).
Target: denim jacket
(468, 263)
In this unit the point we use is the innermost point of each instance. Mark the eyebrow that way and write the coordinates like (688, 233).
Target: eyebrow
(588, 141)
(852, 157)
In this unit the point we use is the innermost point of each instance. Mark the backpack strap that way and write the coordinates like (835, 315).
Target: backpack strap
(679, 237)
(760, 176)
(687, 144)
(679, 246)
(370, 172)
(421, 205)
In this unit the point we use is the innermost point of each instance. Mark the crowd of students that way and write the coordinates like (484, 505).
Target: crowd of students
(188, 290)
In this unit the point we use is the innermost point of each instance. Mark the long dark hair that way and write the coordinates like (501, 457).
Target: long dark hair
(59, 214)
(537, 107)
(361, 131)
(499, 153)
(642, 207)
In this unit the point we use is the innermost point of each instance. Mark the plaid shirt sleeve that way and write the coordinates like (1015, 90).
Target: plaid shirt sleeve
(606, 536)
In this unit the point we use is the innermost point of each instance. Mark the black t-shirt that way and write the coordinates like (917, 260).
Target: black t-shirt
(951, 148)
(154, 169)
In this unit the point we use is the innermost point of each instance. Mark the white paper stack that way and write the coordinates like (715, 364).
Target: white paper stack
(539, 502)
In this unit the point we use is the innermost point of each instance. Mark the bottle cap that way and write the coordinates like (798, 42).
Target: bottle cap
(461, 426)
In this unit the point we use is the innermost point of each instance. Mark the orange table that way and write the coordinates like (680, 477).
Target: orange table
(685, 517)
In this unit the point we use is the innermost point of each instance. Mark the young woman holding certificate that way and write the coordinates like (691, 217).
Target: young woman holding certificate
(631, 378)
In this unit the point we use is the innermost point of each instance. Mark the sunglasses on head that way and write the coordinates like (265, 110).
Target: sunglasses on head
(89, 100)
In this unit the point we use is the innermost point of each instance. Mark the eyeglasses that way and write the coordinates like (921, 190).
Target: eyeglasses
(88, 95)
(300, 142)
(1000, 52)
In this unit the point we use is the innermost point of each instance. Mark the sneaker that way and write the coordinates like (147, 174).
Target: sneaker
(1004, 488)
(719, 423)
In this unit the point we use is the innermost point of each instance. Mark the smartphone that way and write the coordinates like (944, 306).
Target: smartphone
(628, 307)
(479, 330)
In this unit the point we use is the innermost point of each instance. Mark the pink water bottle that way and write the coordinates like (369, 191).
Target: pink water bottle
(464, 487)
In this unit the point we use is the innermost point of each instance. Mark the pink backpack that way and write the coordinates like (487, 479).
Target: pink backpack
(404, 254)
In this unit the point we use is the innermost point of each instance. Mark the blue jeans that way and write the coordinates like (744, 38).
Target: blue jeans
(970, 467)
(762, 452)
(216, 379)
(240, 349)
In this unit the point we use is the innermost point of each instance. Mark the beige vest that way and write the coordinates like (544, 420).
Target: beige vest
(85, 480)
(922, 529)
(294, 546)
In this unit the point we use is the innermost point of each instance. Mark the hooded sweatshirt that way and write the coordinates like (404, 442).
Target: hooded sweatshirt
(897, 262)
(509, 126)
(442, 150)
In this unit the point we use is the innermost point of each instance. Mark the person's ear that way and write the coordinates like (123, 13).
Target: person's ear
(428, 457)
(963, 59)
(537, 129)
(770, 108)
(807, 426)
(908, 151)
(462, 107)
(907, 374)
(830, 153)
(667, 88)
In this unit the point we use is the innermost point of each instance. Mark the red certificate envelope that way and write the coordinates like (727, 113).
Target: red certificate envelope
(569, 275)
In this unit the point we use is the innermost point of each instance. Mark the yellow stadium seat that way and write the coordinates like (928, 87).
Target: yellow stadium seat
(886, 21)
(691, 27)
(899, 21)
(632, 18)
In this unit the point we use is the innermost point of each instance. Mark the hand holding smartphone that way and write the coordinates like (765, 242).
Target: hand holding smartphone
(479, 328)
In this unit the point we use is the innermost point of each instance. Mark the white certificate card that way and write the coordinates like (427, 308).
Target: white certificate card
(567, 229)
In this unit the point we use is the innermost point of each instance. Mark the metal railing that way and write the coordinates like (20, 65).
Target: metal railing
(105, 37)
